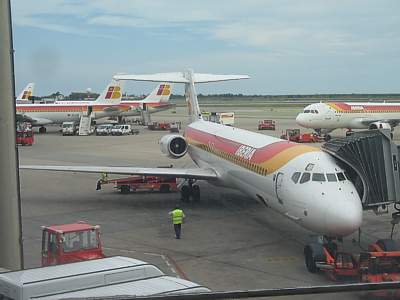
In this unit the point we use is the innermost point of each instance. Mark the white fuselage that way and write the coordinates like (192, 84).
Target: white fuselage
(44, 114)
(262, 167)
(333, 115)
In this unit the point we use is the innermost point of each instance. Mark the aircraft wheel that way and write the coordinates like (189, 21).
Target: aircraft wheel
(327, 137)
(185, 193)
(164, 188)
(42, 130)
(310, 260)
(196, 193)
(125, 189)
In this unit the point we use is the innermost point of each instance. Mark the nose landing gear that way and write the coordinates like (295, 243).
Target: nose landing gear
(190, 190)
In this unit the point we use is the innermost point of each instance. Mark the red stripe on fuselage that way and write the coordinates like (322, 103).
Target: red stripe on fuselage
(228, 146)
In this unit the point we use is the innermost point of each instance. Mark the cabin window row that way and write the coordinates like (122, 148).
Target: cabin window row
(301, 178)
(311, 111)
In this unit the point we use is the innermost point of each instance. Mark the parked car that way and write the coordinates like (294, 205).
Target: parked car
(104, 129)
(123, 129)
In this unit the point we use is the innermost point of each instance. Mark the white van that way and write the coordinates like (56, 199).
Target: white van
(123, 129)
(105, 277)
(104, 129)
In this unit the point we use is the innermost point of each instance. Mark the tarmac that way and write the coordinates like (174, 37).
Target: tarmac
(229, 241)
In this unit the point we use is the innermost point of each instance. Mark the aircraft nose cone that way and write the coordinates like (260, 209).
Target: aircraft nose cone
(300, 119)
(344, 216)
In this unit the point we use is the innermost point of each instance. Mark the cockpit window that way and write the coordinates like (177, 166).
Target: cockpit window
(306, 111)
(318, 177)
(331, 177)
(305, 177)
(296, 176)
(340, 176)
(316, 111)
(309, 167)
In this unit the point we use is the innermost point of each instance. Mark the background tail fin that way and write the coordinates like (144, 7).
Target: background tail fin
(26, 92)
(189, 78)
(112, 94)
(160, 94)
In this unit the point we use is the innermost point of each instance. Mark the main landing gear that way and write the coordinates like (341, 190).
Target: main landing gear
(190, 190)
(42, 129)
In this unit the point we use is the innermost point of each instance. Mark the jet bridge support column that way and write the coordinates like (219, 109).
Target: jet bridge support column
(11, 255)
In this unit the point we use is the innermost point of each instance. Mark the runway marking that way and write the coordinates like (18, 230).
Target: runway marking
(168, 260)
(281, 259)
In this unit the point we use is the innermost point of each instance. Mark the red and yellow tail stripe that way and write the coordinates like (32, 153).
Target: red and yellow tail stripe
(164, 90)
(114, 92)
(264, 160)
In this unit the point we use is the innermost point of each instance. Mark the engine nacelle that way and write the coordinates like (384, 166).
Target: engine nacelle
(380, 125)
(173, 145)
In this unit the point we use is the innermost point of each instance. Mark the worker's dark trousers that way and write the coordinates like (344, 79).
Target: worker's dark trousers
(177, 228)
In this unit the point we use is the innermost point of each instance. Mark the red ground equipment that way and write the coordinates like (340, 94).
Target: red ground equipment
(294, 135)
(24, 134)
(159, 126)
(69, 243)
(266, 125)
(142, 183)
(379, 264)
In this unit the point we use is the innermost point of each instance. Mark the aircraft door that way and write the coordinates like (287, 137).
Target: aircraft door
(278, 186)
(89, 110)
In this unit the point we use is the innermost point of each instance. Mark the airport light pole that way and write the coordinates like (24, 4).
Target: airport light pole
(11, 255)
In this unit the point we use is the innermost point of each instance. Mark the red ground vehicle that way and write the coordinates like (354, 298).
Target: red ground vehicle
(159, 126)
(266, 125)
(294, 135)
(69, 243)
(142, 183)
(379, 264)
(24, 135)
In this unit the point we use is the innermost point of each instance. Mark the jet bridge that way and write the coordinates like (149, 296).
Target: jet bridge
(372, 163)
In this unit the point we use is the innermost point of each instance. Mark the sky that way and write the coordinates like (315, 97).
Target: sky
(285, 46)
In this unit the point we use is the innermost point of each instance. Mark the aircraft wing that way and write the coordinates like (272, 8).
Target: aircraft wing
(392, 122)
(33, 121)
(194, 173)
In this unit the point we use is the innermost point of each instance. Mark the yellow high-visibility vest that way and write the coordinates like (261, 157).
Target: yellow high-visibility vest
(177, 216)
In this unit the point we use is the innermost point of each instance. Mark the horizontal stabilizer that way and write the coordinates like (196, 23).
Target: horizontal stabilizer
(179, 77)
(195, 173)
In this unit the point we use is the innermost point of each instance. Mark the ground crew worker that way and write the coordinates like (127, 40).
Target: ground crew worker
(177, 219)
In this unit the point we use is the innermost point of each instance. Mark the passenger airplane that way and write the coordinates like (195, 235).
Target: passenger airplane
(157, 100)
(326, 117)
(107, 104)
(299, 182)
(27, 92)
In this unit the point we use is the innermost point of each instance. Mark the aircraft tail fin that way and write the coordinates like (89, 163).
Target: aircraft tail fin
(189, 78)
(26, 92)
(160, 94)
(112, 94)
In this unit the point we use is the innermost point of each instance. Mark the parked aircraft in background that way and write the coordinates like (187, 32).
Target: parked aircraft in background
(107, 104)
(27, 92)
(299, 182)
(325, 117)
(157, 100)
